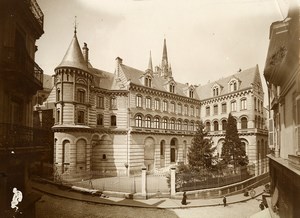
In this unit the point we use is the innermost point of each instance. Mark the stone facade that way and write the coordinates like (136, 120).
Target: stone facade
(117, 123)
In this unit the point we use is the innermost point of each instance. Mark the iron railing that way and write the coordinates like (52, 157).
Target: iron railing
(18, 136)
(19, 60)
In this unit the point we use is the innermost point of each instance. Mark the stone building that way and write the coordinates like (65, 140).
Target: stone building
(283, 79)
(116, 123)
(21, 24)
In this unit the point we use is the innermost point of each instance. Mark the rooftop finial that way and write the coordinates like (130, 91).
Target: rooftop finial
(75, 25)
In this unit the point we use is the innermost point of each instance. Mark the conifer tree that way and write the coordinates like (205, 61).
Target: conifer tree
(233, 151)
(201, 151)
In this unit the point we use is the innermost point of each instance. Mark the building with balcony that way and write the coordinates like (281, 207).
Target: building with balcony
(283, 79)
(21, 24)
(116, 123)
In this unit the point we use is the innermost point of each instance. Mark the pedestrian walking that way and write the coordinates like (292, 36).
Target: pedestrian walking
(183, 201)
(261, 206)
(224, 201)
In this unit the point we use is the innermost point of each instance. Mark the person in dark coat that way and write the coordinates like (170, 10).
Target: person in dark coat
(261, 206)
(224, 201)
(183, 201)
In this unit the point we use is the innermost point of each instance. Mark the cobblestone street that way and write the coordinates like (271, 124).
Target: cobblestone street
(56, 207)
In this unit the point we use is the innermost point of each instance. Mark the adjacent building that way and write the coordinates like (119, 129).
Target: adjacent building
(117, 123)
(21, 24)
(283, 80)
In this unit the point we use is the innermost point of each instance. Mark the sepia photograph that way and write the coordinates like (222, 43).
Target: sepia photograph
(149, 108)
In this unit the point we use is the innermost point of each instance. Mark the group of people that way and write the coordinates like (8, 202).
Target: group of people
(184, 197)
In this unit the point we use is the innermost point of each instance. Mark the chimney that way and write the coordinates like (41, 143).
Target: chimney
(118, 62)
(85, 51)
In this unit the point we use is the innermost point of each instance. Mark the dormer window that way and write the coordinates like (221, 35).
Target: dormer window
(191, 93)
(172, 88)
(233, 85)
(148, 81)
(216, 91)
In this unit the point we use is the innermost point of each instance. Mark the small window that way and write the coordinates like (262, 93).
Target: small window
(148, 122)
(162, 148)
(197, 112)
(192, 111)
(179, 125)
(148, 81)
(172, 107)
(179, 108)
(224, 124)
(244, 123)
(156, 123)
(104, 156)
(164, 123)
(186, 112)
(216, 126)
(191, 93)
(207, 126)
(172, 88)
(172, 124)
(165, 105)
(58, 95)
(113, 120)
(58, 116)
(185, 125)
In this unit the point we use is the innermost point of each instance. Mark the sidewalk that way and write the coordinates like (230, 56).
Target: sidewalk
(164, 203)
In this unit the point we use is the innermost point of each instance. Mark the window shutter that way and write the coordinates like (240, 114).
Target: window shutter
(271, 132)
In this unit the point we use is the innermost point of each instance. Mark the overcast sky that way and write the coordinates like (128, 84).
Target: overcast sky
(206, 39)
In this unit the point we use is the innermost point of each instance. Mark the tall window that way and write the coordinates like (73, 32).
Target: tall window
(255, 106)
(138, 121)
(99, 119)
(192, 126)
(224, 108)
(216, 126)
(113, 103)
(244, 123)
(172, 88)
(165, 105)
(58, 116)
(216, 91)
(58, 95)
(162, 148)
(138, 101)
(224, 124)
(80, 117)
(172, 107)
(207, 126)
(148, 122)
(197, 112)
(148, 103)
(243, 104)
(191, 93)
(156, 122)
(156, 104)
(148, 81)
(100, 102)
(233, 106)
(192, 111)
(81, 96)
(185, 125)
(179, 108)
(186, 110)
(207, 109)
(164, 123)
(215, 109)
(233, 86)
(113, 120)
(172, 124)
(178, 125)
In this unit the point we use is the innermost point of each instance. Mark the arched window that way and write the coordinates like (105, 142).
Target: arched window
(216, 126)
(164, 123)
(192, 126)
(207, 126)
(179, 125)
(192, 111)
(233, 105)
(81, 152)
(148, 122)
(165, 105)
(138, 121)
(148, 103)
(148, 81)
(113, 120)
(224, 124)
(172, 88)
(207, 109)
(185, 125)
(156, 104)
(172, 124)
(156, 122)
(172, 107)
(191, 93)
(81, 96)
(243, 104)
(99, 119)
(244, 123)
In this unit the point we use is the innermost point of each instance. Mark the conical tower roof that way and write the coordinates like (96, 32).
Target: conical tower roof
(74, 57)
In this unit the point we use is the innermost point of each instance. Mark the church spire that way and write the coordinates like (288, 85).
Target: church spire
(164, 61)
(150, 67)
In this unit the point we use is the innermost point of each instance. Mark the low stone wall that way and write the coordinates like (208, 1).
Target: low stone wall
(231, 189)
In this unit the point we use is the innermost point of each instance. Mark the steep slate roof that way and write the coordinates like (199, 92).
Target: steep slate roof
(74, 57)
(158, 82)
(246, 77)
(102, 79)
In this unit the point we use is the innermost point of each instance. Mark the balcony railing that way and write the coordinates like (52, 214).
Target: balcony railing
(16, 59)
(36, 11)
(20, 137)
